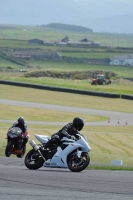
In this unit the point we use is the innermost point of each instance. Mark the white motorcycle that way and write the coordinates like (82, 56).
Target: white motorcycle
(71, 153)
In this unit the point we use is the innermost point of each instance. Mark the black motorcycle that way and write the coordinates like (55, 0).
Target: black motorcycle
(15, 143)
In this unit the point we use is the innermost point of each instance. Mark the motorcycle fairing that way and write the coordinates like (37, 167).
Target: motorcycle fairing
(60, 157)
(58, 160)
(42, 138)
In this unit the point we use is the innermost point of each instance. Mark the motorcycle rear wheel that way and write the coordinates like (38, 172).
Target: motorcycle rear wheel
(74, 166)
(9, 149)
(33, 164)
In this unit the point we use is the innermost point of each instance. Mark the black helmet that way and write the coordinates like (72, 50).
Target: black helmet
(78, 123)
(21, 120)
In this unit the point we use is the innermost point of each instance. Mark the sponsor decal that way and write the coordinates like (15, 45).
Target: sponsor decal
(53, 164)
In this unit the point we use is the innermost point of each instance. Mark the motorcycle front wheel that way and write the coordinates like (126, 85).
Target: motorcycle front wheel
(33, 162)
(78, 164)
(23, 150)
(9, 148)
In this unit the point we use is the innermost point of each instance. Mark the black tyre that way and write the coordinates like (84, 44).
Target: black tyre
(104, 83)
(9, 149)
(24, 150)
(94, 83)
(35, 163)
(78, 165)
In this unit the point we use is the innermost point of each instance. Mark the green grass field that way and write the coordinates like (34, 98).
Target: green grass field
(64, 66)
(108, 143)
(16, 38)
(118, 87)
(30, 32)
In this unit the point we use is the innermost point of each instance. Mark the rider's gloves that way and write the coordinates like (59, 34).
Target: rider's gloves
(72, 137)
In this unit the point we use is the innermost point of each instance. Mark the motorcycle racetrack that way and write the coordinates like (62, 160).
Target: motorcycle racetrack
(18, 182)
(112, 115)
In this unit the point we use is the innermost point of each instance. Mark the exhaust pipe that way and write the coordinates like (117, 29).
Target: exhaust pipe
(36, 147)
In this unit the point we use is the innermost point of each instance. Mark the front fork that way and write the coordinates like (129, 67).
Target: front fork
(78, 153)
(78, 157)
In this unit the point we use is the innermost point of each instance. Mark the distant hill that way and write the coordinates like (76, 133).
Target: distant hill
(68, 27)
(6, 27)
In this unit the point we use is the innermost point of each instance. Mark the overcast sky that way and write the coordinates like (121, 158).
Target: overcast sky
(99, 15)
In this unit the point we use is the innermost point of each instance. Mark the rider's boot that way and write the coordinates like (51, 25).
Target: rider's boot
(47, 145)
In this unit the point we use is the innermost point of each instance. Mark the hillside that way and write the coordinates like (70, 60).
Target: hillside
(68, 27)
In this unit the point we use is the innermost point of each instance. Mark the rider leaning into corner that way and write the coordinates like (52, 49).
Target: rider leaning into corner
(69, 130)
(23, 126)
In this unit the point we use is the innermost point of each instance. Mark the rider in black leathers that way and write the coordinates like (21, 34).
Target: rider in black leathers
(69, 131)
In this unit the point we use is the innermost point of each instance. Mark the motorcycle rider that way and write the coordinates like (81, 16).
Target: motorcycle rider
(69, 130)
(23, 126)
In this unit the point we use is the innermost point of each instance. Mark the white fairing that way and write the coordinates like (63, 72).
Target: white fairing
(42, 138)
(60, 157)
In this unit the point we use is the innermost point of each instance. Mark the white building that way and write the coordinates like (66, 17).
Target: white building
(125, 60)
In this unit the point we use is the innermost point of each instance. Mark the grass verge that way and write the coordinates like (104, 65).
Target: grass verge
(120, 168)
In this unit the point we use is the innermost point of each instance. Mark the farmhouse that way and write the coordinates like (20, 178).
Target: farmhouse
(38, 55)
(124, 60)
(35, 42)
(47, 43)
(83, 43)
(62, 44)
(66, 39)
(92, 44)
(85, 40)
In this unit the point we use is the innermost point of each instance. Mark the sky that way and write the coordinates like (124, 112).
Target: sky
(100, 15)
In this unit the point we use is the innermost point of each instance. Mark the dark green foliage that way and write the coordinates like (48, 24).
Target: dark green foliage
(79, 75)
(68, 27)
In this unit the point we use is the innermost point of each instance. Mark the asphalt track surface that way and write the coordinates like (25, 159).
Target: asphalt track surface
(18, 182)
(114, 118)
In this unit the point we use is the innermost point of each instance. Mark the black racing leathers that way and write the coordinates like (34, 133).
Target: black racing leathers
(54, 142)
(66, 131)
